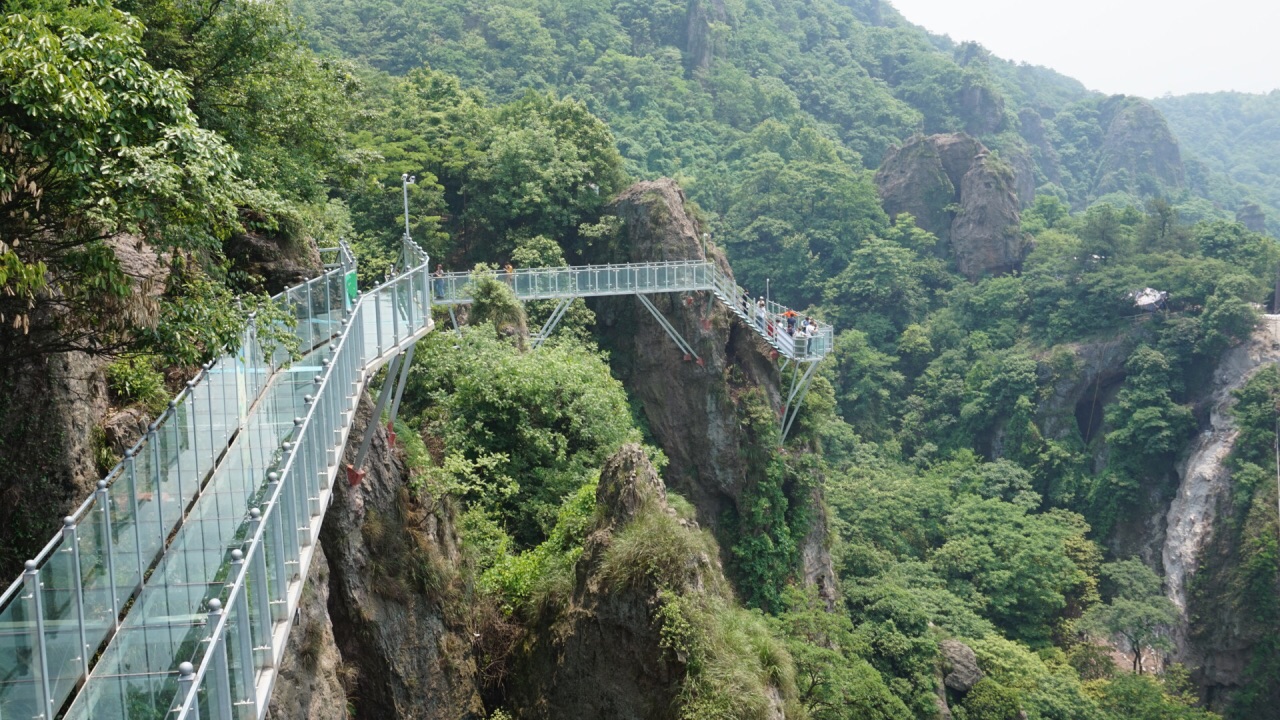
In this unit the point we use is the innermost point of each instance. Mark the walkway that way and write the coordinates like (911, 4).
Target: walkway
(171, 592)
(568, 283)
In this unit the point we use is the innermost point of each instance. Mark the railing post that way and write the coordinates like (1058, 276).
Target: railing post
(258, 576)
(219, 674)
(213, 435)
(186, 679)
(104, 502)
(275, 528)
(153, 440)
(311, 327)
(395, 312)
(137, 519)
(70, 540)
(244, 646)
(40, 663)
(377, 319)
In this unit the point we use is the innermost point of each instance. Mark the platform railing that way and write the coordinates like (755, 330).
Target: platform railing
(655, 277)
(242, 638)
(71, 596)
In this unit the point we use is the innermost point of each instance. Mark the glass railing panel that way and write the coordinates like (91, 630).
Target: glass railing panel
(60, 604)
(98, 551)
(19, 696)
(125, 539)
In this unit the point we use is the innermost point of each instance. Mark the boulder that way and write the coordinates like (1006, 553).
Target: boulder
(956, 190)
(960, 665)
(986, 235)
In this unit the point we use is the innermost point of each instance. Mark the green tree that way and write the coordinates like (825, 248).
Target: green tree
(98, 143)
(520, 430)
(1138, 613)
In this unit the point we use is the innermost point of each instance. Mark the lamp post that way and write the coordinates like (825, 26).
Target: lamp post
(407, 180)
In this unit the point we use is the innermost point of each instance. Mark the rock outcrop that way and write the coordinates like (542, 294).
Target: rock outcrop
(982, 109)
(1138, 153)
(604, 658)
(692, 409)
(959, 665)
(401, 637)
(275, 262)
(955, 189)
(1045, 155)
(1251, 215)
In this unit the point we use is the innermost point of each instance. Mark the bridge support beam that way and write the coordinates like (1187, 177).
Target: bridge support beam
(795, 396)
(355, 472)
(689, 354)
(395, 403)
(454, 317)
(550, 325)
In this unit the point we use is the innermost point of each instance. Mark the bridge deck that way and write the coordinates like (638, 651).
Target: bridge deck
(171, 592)
(559, 283)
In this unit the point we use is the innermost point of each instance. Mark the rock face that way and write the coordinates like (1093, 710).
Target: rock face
(1138, 153)
(959, 192)
(960, 665)
(982, 109)
(403, 650)
(604, 658)
(703, 14)
(276, 262)
(309, 686)
(1045, 155)
(986, 234)
(53, 409)
(693, 410)
(1250, 215)
(1212, 639)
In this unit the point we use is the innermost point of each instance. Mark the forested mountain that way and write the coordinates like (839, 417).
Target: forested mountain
(1012, 491)
(1236, 134)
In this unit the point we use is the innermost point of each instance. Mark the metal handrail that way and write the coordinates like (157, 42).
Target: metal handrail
(89, 556)
(629, 278)
(354, 357)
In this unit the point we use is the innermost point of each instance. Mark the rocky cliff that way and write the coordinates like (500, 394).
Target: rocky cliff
(1138, 153)
(958, 191)
(1215, 636)
(601, 656)
(638, 638)
(383, 625)
(695, 410)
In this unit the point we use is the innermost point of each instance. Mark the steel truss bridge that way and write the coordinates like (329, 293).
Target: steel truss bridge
(171, 591)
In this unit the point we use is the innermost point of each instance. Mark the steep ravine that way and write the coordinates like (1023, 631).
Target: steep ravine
(1204, 488)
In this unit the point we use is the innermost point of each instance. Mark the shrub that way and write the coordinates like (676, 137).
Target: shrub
(135, 379)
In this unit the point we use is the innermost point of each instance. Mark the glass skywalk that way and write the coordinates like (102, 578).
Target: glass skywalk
(561, 283)
(172, 590)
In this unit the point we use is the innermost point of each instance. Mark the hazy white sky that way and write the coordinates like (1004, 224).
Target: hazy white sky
(1136, 47)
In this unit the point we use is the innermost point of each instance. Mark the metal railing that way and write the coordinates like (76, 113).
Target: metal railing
(657, 277)
(242, 633)
(171, 592)
(69, 599)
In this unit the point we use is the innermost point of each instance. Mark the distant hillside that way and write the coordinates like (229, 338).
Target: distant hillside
(685, 85)
(1236, 134)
